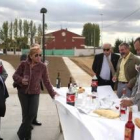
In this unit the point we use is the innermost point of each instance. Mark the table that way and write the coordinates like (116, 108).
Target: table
(80, 126)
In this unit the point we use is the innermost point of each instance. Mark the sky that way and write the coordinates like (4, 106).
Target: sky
(116, 18)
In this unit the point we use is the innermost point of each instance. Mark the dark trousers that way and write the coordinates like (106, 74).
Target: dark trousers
(102, 82)
(29, 106)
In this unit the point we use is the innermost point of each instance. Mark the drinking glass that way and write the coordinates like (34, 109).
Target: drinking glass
(26, 79)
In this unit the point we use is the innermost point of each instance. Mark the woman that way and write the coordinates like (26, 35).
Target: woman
(28, 76)
(3, 91)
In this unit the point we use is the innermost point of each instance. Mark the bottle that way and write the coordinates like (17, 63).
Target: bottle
(129, 127)
(123, 109)
(94, 84)
(75, 89)
(58, 81)
(70, 98)
(70, 82)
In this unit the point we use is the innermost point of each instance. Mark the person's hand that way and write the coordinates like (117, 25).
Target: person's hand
(126, 102)
(114, 79)
(25, 81)
(129, 86)
(56, 95)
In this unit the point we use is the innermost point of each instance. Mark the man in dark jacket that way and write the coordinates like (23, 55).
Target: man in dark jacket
(104, 65)
(3, 91)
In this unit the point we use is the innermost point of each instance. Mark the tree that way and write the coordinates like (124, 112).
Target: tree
(91, 32)
(15, 28)
(132, 49)
(11, 31)
(32, 30)
(25, 28)
(116, 46)
(20, 28)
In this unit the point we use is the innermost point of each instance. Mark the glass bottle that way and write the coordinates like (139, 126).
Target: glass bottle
(129, 127)
(58, 81)
(94, 83)
(70, 82)
(123, 109)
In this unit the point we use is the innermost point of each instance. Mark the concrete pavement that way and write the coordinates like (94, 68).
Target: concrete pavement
(81, 77)
(47, 114)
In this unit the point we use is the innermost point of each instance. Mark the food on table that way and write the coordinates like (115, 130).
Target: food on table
(81, 90)
(137, 122)
(107, 113)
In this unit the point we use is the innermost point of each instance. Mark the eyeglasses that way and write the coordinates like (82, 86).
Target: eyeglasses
(106, 49)
(36, 55)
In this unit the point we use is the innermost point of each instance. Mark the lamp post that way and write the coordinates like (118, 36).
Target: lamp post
(43, 11)
(101, 29)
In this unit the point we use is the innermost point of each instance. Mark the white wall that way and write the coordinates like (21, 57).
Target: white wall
(86, 52)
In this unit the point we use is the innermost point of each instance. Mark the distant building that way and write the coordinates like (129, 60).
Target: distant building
(64, 39)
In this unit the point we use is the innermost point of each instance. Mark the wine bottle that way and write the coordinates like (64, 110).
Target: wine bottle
(94, 83)
(58, 81)
(70, 82)
(129, 127)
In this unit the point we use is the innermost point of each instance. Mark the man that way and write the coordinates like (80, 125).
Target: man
(3, 91)
(137, 46)
(104, 65)
(126, 72)
(135, 99)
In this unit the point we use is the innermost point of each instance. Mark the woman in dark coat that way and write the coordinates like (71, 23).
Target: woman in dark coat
(3, 91)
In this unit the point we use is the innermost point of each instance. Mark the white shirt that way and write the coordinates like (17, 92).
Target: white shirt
(105, 70)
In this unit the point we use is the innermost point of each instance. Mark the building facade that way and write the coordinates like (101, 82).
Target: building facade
(64, 39)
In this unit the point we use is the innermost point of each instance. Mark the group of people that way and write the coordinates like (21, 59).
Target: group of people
(120, 71)
(27, 79)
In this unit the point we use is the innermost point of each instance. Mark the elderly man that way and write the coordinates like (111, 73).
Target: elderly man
(135, 99)
(104, 65)
(126, 72)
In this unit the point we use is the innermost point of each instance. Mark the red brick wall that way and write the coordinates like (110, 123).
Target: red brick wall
(62, 41)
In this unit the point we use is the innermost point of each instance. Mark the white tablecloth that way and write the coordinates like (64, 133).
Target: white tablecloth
(79, 126)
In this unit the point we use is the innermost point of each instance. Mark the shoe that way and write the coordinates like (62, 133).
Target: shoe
(19, 136)
(36, 123)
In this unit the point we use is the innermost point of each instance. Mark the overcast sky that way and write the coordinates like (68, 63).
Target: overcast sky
(117, 18)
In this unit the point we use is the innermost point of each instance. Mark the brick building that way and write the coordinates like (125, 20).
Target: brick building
(64, 39)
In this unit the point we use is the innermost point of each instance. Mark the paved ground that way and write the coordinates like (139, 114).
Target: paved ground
(47, 114)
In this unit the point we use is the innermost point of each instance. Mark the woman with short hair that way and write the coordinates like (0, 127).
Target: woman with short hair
(28, 76)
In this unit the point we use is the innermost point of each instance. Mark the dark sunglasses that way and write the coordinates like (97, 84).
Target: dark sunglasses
(106, 49)
(36, 55)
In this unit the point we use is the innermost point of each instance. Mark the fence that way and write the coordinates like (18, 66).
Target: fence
(68, 52)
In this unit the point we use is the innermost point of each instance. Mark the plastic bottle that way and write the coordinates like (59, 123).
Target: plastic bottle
(70, 98)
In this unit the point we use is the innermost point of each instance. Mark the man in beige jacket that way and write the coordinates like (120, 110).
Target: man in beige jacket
(126, 72)
(135, 99)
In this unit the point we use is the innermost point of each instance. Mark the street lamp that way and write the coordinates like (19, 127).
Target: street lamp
(101, 29)
(43, 11)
